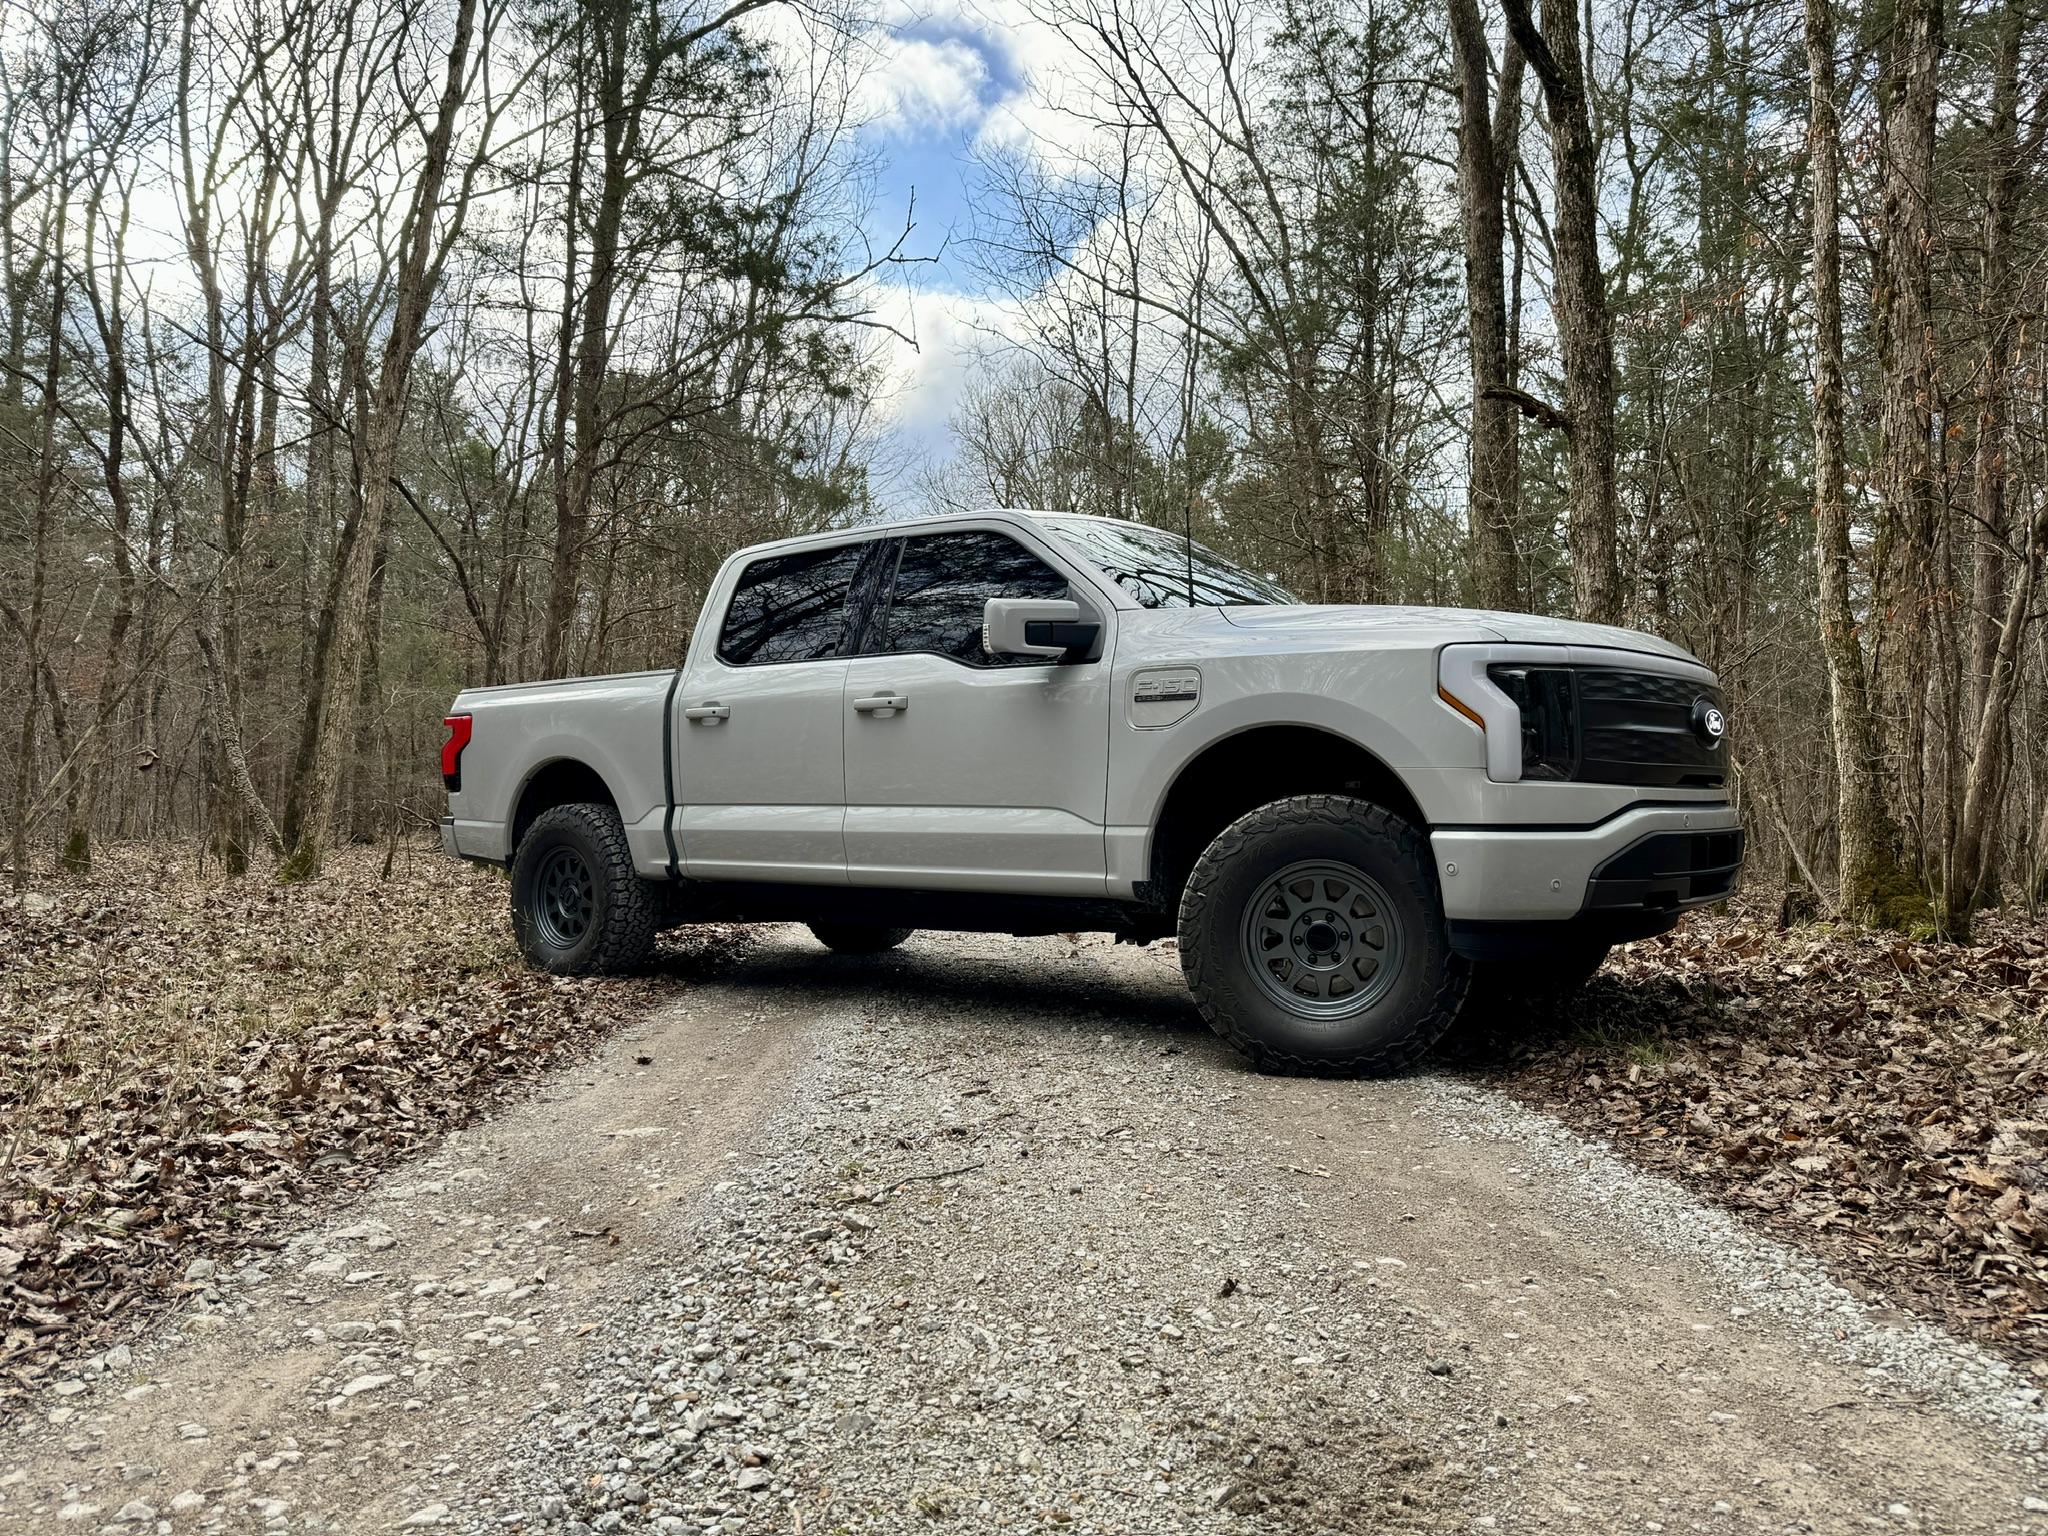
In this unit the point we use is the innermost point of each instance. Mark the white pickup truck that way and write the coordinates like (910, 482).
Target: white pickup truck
(1033, 723)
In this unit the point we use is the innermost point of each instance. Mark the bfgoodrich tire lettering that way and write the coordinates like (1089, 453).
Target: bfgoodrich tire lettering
(1393, 1022)
(578, 907)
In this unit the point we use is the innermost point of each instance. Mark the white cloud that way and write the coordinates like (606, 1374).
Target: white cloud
(992, 76)
(953, 332)
(917, 84)
(1027, 75)
(955, 336)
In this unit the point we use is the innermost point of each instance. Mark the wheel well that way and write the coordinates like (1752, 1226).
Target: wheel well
(1254, 768)
(561, 782)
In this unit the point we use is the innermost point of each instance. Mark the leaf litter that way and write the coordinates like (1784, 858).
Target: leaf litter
(1881, 1102)
(185, 1061)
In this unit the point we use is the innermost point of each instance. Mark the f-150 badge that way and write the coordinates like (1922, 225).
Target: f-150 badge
(1164, 696)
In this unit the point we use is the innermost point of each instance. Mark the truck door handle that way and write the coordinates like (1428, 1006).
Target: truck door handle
(880, 702)
(712, 712)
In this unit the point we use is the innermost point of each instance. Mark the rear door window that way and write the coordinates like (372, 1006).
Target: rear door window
(790, 607)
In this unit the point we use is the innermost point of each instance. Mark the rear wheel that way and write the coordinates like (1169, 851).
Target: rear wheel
(1312, 936)
(578, 907)
(858, 938)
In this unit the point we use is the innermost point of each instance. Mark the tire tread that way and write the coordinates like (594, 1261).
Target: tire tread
(1201, 970)
(633, 910)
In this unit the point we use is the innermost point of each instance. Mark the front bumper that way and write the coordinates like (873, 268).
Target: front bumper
(1648, 862)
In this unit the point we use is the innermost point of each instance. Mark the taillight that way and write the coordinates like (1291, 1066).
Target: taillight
(451, 751)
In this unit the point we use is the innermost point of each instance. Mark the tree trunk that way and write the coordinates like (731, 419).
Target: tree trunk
(1874, 887)
(111, 321)
(43, 496)
(1485, 153)
(1997, 619)
(226, 728)
(419, 268)
(1902, 304)
(1988, 469)
(620, 114)
(301, 773)
(1969, 860)
(371, 734)
(2040, 892)
(1585, 332)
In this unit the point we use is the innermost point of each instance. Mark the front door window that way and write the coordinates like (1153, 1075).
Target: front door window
(943, 580)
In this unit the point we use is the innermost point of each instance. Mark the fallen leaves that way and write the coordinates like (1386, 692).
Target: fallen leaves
(183, 1060)
(1882, 1101)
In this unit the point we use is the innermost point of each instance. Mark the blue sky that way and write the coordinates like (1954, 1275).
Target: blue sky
(933, 86)
(947, 81)
(949, 78)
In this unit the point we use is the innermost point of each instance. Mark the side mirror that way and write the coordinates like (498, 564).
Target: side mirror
(1036, 626)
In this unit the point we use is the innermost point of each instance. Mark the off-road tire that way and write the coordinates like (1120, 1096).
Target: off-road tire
(1420, 1003)
(1545, 979)
(858, 938)
(624, 911)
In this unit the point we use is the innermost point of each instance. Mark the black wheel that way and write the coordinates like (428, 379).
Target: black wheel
(1312, 935)
(858, 938)
(578, 907)
(1539, 979)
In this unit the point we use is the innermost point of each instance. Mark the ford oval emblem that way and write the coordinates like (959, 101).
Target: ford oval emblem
(1708, 721)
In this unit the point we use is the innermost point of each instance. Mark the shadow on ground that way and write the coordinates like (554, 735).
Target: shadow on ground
(1637, 1019)
(1641, 1018)
(787, 967)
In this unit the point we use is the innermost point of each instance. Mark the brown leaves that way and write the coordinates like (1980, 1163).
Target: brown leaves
(181, 1061)
(1883, 1101)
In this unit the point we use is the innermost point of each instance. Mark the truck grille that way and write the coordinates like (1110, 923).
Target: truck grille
(1610, 725)
(1641, 728)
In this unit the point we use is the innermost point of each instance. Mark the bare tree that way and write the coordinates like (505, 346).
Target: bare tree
(1910, 471)
(432, 221)
(1866, 837)
(1488, 124)
(1579, 300)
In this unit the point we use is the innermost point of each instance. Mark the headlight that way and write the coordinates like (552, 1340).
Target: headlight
(1549, 701)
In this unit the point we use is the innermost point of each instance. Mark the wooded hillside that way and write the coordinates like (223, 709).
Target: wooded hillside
(356, 350)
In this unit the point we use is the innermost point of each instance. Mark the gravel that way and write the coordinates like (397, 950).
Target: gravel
(898, 1312)
(1022, 1276)
(995, 1234)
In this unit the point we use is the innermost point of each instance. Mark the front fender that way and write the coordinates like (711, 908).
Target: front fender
(1422, 732)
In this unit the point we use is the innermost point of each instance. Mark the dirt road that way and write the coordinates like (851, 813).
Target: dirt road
(994, 1234)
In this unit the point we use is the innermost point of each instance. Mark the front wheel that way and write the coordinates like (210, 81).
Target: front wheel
(858, 938)
(578, 906)
(1312, 936)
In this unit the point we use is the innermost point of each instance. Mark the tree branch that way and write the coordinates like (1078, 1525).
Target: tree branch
(1542, 412)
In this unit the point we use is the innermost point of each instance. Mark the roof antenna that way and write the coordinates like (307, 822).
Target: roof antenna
(1187, 540)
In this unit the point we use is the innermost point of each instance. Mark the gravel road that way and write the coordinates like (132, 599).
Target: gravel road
(991, 1234)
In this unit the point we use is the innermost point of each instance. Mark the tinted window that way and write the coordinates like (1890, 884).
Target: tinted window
(942, 581)
(1164, 570)
(789, 607)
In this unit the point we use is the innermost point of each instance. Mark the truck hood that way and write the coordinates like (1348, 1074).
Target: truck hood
(1367, 619)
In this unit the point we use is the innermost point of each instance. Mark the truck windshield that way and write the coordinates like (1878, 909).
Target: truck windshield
(1161, 569)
